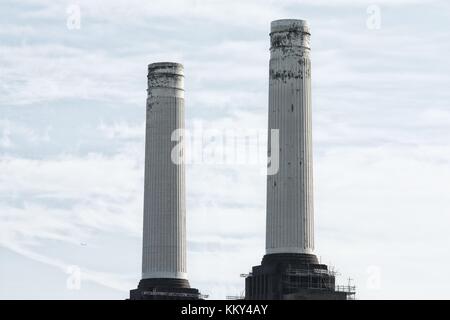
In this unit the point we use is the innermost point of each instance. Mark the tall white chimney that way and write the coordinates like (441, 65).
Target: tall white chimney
(164, 242)
(290, 210)
(164, 274)
(290, 270)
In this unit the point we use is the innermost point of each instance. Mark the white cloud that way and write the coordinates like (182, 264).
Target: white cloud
(14, 133)
(109, 280)
(385, 206)
(122, 130)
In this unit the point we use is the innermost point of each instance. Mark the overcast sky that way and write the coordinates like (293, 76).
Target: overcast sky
(72, 112)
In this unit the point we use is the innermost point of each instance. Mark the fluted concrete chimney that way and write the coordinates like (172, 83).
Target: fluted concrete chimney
(290, 210)
(164, 244)
(164, 274)
(290, 270)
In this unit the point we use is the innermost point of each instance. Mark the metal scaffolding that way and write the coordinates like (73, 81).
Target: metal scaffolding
(315, 279)
(174, 294)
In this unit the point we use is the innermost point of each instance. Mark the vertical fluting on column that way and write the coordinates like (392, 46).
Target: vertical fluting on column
(290, 215)
(164, 240)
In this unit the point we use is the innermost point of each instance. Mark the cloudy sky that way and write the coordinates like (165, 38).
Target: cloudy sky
(72, 111)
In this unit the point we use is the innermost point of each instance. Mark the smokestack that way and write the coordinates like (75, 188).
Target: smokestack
(290, 210)
(164, 274)
(290, 270)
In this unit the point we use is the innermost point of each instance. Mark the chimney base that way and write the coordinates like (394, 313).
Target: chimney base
(164, 289)
(293, 276)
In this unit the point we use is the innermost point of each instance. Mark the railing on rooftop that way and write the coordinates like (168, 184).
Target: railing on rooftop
(175, 294)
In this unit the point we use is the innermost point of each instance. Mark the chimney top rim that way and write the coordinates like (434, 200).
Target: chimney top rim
(165, 65)
(283, 25)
